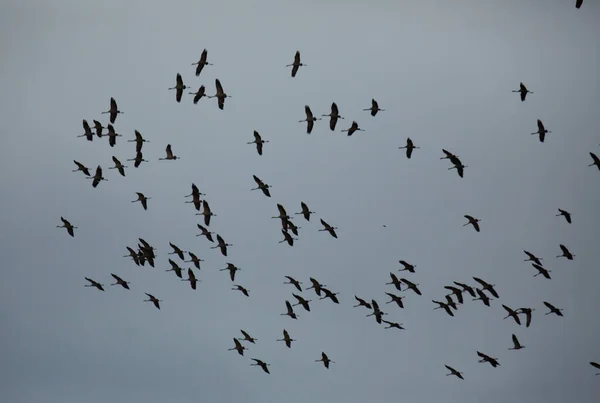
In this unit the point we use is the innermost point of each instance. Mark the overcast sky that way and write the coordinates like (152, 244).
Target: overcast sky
(443, 71)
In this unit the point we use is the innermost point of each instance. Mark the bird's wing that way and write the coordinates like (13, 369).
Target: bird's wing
(169, 152)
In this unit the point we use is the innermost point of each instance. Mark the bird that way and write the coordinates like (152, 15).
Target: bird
(450, 302)
(564, 213)
(326, 361)
(87, 131)
(395, 298)
(460, 168)
(512, 313)
(596, 161)
(113, 111)
(595, 365)
(374, 108)
(207, 213)
(138, 159)
(262, 186)
(486, 358)
(191, 278)
(238, 347)
(541, 131)
(201, 63)
(330, 295)
(473, 221)
(294, 282)
(395, 282)
(139, 140)
(527, 312)
(259, 142)
(449, 155)
(443, 305)
(97, 178)
(302, 301)
(290, 311)
(456, 291)
(566, 252)
(410, 146)
(194, 259)
(175, 267)
(133, 255)
(195, 195)
(377, 313)
(310, 119)
(362, 302)
(407, 266)
(482, 297)
(170, 155)
(516, 343)
(142, 199)
(523, 90)
(296, 65)
(454, 372)
(247, 337)
(198, 94)
(244, 290)
(153, 299)
(98, 127)
(287, 238)
(553, 309)
(118, 165)
(411, 285)
(316, 286)
(487, 286)
(353, 128)
(68, 226)
(82, 168)
(334, 115)
(177, 251)
(205, 232)
(578, 4)
(232, 270)
(466, 288)
(305, 211)
(393, 324)
(220, 95)
(262, 364)
(112, 135)
(287, 339)
(120, 281)
(328, 228)
(94, 284)
(179, 87)
(533, 258)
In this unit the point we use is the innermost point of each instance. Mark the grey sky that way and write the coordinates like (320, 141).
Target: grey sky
(444, 74)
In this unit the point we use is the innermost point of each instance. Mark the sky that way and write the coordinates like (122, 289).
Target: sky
(443, 74)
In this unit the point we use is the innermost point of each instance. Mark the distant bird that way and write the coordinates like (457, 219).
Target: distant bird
(407, 266)
(153, 299)
(329, 294)
(68, 226)
(97, 178)
(177, 251)
(170, 155)
(262, 186)
(450, 302)
(98, 127)
(316, 286)
(512, 313)
(302, 301)
(377, 313)
(410, 146)
(516, 343)
(460, 168)
(553, 309)
(473, 221)
(120, 281)
(247, 337)
(487, 286)
(118, 165)
(112, 135)
(201, 63)
(486, 358)
(287, 238)
(443, 305)
(87, 131)
(533, 258)
(259, 142)
(523, 90)
(238, 347)
(353, 128)
(334, 115)
(595, 365)
(454, 372)
(448, 155)
(82, 168)
(596, 161)
(305, 211)
(411, 286)
(262, 364)
(176, 268)
(142, 199)
(290, 311)
(541, 131)
(205, 232)
(564, 213)
(467, 288)
(325, 360)
(243, 290)
(395, 298)
(139, 142)
(179, 87)
(578, 4)
(482, 297)
(393, 324)
(374, 108)
(291, 226)
(287, 339)
(527, 312)
(395, 282)
(362, 302)
(133, 254)
(138, 159)
(566, 252)
(455, 291)
(232, 270)
(207, 213)
(328, 228)
(114, 110)
(222, 245)
(294, 282)
(194, 259)
(220, 95)
(94, 284)
(296, 65)
(310, 119)
(198, 94)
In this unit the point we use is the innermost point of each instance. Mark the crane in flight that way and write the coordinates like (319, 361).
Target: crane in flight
(516, 343)
(454, 372)
(201, 63)
(113, 111)
(374, 108)
(66, 224)
(179, 87)
(523, 91)
(334, 115)
(296, 64)
(94, 283)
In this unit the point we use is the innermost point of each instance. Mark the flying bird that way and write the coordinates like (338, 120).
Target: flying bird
(222, 245)
(553, 309)
(305, 211)
(290, 311)
(527, 312)
(482, 297)
(177, 251)
(395, 282)
(113, 111)
(411, 286)
(243, 290)
(238, 347)
(443, 305)
(220, 95)
(198, 94)
(326, 361)
(512, 313)
(516, 343)
(97, 178)
(120, 281)
(473, 221)
(247, 337)
(310, 119)
(486, 358)
(393, 325)
(334, 115)
(205, 232)
(118, 165)
(259, 142)
(153, 299)
(374, 108)
(138, 159)
(87, 131)
(262, 364)
(467, 288)
(523, 90)
(94, 284)
(287, 238)
(487, 286)
(294, 282)
(176, 268)
(407, 266)
(207, 213)
(82, 168)
(68, 226)
(98, 127)
(533, 258)
(287, 339)
(454, 372)
(541, 270)
(296, 65)
(194, 259)
(316, 286)
(596, 161)
(232, 270)
(353, 128)
(112, 135)
(564, 213)
(566, 252)
(191, 278)
(410, 146)
(139, 141)
(455, 291)
(262, 186)
(170, 155)
(541, 131)
(328, 228)
(201, 63)
(395, 298)
(179, 87)
(362, 302)
(142, 199)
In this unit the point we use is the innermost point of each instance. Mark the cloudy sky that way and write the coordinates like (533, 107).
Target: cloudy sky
(443, 73)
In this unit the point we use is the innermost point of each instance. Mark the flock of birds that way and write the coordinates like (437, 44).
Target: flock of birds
(480, 290)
